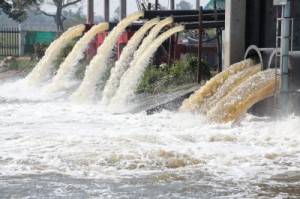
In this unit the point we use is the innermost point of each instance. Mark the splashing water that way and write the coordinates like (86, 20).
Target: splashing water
(193, 103)
(130, 80)
(66, 69)
(95, 71)
(43, 69)
(235, 104)
(230, 84)
(121, 65)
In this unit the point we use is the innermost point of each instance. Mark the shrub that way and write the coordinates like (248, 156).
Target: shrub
(61, 57)
(157, 79)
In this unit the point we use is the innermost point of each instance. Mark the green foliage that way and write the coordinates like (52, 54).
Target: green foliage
(80, 68)
(152, 79)
(24, 65)
(74, 18)
(61, 57)
(220, 5)
(184, 5)
(16, 9)
(164, 78)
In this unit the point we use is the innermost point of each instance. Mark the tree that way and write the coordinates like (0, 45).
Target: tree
(184, 5)
(116, 15)
(16, 9)
(58, 17)
(220, 5)
(74, 18)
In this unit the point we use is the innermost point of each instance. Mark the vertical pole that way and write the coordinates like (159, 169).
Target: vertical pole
(11, 36)
(284, 56)
(149, 6)
(92, 48)
(218, 39)
(172, 5)
(106, 10)
(197, 4)
(199, 67)
(175, 47)
(21, 40)
(234, 31)
(156, 4)
(123, 9)
(170, 51)
(1, 45)
(90, 11)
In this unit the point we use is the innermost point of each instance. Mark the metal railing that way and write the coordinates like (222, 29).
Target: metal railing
(9, 41)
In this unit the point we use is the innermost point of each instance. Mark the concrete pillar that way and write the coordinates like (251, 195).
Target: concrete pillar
(172, 5)
(90, 11)
(21, 40)
(106, 10)
(123, 9)
(234, 31)
(197, 4)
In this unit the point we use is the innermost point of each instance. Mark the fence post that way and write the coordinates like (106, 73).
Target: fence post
(21, 40)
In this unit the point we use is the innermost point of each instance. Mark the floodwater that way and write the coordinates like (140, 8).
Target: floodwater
(51, 148)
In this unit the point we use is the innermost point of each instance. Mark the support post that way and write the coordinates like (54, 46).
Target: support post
(199, 67)
(219, 53)
(234, 31)
(284, 57)
(172, 5)
(90, 12)
(156, 4)
(123, 9)
(170, 50)
(106, 10)
(21, 40)
(197, 4)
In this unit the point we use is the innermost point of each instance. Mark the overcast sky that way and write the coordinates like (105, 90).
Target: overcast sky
(131, 5)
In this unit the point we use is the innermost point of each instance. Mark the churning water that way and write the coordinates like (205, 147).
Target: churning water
(51, 148)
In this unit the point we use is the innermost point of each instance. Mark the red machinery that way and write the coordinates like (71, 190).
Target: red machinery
(123, 40)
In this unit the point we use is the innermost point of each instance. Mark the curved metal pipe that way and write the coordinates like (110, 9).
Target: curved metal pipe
(254, 53)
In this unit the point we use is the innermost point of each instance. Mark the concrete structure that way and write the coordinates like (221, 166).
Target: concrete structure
(90, 12)
(172, 5)
(234, 44)
(106, 10)
(123, 8)
(265, 25)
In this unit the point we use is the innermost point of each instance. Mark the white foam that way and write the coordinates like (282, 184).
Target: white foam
(87, 142)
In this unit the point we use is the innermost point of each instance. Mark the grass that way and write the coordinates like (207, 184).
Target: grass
(24, 64)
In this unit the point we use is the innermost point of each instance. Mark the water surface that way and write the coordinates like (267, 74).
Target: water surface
(52, 148)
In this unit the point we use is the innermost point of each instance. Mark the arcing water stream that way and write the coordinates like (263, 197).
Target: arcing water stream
(132, 76)
(121, 65)
(240, 99)
(194, 102)
(94, 72)
(228, 86)
(43, 69)
(66, 69)
(53, 148)
(149, 39)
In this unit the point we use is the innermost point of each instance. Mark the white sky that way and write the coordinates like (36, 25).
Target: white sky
(131, 5)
